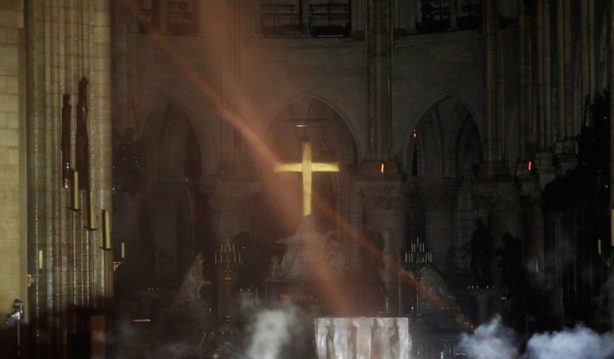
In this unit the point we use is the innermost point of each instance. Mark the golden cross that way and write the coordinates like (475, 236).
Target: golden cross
(307, 167)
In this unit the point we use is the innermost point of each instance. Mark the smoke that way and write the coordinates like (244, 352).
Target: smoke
(577, 343)
(493, 340)
(271, 333)
(490, 340)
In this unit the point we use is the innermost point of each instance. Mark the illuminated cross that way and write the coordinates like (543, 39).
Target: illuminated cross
(307, 167)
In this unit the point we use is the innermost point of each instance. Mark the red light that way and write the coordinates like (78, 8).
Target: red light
(414, 134)
(530, 166)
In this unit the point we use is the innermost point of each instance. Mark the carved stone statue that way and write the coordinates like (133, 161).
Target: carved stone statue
(481, 250)
(309, 252)
(434, 285)
(189, 294)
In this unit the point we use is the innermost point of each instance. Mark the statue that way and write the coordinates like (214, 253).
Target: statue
(480, 247)
(307, 250)
(433, 282)
(189, 294)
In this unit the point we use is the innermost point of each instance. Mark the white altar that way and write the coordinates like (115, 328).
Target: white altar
(362, 338)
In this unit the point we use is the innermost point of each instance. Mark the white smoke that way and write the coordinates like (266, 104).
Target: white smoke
(271, 332)
(577, 343)
(490, 340)
(493, 340)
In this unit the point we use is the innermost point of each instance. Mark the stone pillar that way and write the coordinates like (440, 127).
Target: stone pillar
(547, 85)
(585, 69)
(522, 96)
(383, 205)
(611, 86)
(13, 260)
(379, 60)
(565, 147)
(491, 140)
(67, 40)
(439, 198)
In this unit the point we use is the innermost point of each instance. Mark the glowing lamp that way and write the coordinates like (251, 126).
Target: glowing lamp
(382, 168)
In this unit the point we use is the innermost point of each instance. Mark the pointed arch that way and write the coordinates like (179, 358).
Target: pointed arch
(440, 133)
(296, 98)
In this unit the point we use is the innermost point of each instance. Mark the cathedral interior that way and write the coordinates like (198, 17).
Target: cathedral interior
(274, 179)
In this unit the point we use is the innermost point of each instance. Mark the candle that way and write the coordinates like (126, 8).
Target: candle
(75, 191)
(106, 229)
(123, 250)
(599, 246)
(40, 259)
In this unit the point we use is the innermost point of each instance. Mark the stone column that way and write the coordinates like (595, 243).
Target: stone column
(379, 60)
(67, 40)
(13, 259)
(565, 146)
(383, 205)
(491, 140)
(522, 103)
(611, 85)
(584, 62)
(439, 198)
(547, 83)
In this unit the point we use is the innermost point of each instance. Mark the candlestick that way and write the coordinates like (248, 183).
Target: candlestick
(41, 264)
(106, 230)
(76, 205)
(123, 250)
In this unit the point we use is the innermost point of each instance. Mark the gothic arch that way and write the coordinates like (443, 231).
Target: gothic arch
(200, 113)
(289, 101)
(153, 123)
(440, 133)
(428, 105)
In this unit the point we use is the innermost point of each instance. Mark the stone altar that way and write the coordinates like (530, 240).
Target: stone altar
(362, 338)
